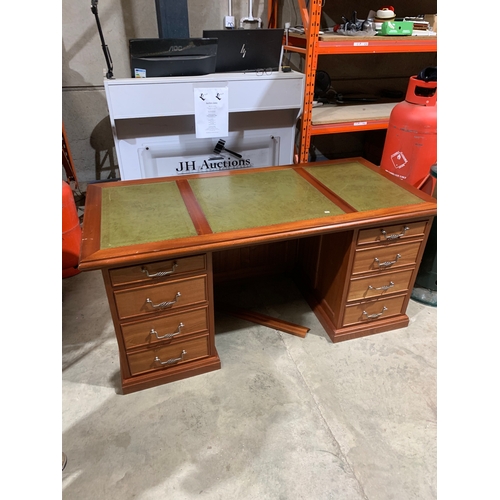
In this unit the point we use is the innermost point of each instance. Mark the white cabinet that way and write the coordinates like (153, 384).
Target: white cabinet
(153, 123)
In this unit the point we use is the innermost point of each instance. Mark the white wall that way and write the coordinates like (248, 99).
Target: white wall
(84, 110)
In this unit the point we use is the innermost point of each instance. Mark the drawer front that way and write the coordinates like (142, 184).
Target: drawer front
(160, 298)
(381, 258)
(373, 310)
(165, 328)
(154, 270)
(391, 233)
(165, 357)
(378, 285)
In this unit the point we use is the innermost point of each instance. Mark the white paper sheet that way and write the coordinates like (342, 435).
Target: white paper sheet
(211, 112)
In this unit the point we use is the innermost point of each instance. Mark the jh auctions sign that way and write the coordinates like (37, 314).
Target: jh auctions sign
(212, 164)
(201, 156)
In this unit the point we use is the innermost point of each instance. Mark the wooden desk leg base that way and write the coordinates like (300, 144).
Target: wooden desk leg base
(358, 330)
(171, 374)
(380, 326)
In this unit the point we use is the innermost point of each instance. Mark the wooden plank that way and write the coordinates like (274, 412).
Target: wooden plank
(335, 37)
(356, 113)
(262, 319)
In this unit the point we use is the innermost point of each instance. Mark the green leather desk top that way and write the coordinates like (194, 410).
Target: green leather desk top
(143, 213)
(361, 187)
(155, 212)
(262, 199)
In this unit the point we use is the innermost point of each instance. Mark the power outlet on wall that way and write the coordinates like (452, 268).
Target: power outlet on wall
(228, 21)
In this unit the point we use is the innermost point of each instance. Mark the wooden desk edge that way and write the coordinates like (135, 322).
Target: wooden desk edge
(93, 257)
(113, 257)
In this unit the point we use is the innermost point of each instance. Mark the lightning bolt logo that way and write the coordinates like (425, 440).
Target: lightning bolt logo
(243, 51)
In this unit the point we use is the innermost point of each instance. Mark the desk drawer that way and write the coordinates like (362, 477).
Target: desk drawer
(381, 258)
(391, 233)
(373, 310)
(163, 358)
(155, 270)
(163, 297)
(166, 328)
(377, 285)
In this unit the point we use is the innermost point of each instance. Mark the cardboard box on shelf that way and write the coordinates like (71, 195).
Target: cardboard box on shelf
(432, 19)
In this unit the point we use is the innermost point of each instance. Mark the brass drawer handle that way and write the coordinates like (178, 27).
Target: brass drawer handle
(168, 335)
(387, 263)
(162, 305)
(159, 274)
(385, 287)
(371, 316)
(172, 360)
(394, 236)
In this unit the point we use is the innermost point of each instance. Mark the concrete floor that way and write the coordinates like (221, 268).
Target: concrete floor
(285, 418)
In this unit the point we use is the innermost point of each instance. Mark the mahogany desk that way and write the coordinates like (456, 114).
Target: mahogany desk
(351, 235)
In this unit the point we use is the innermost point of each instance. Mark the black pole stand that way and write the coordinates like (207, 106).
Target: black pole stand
(107, 55)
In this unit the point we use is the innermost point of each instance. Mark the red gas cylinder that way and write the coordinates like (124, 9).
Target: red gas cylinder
(71, 233)
(410, 147)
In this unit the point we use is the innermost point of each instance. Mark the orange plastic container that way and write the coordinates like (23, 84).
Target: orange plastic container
(410, 147)
(71, 233)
